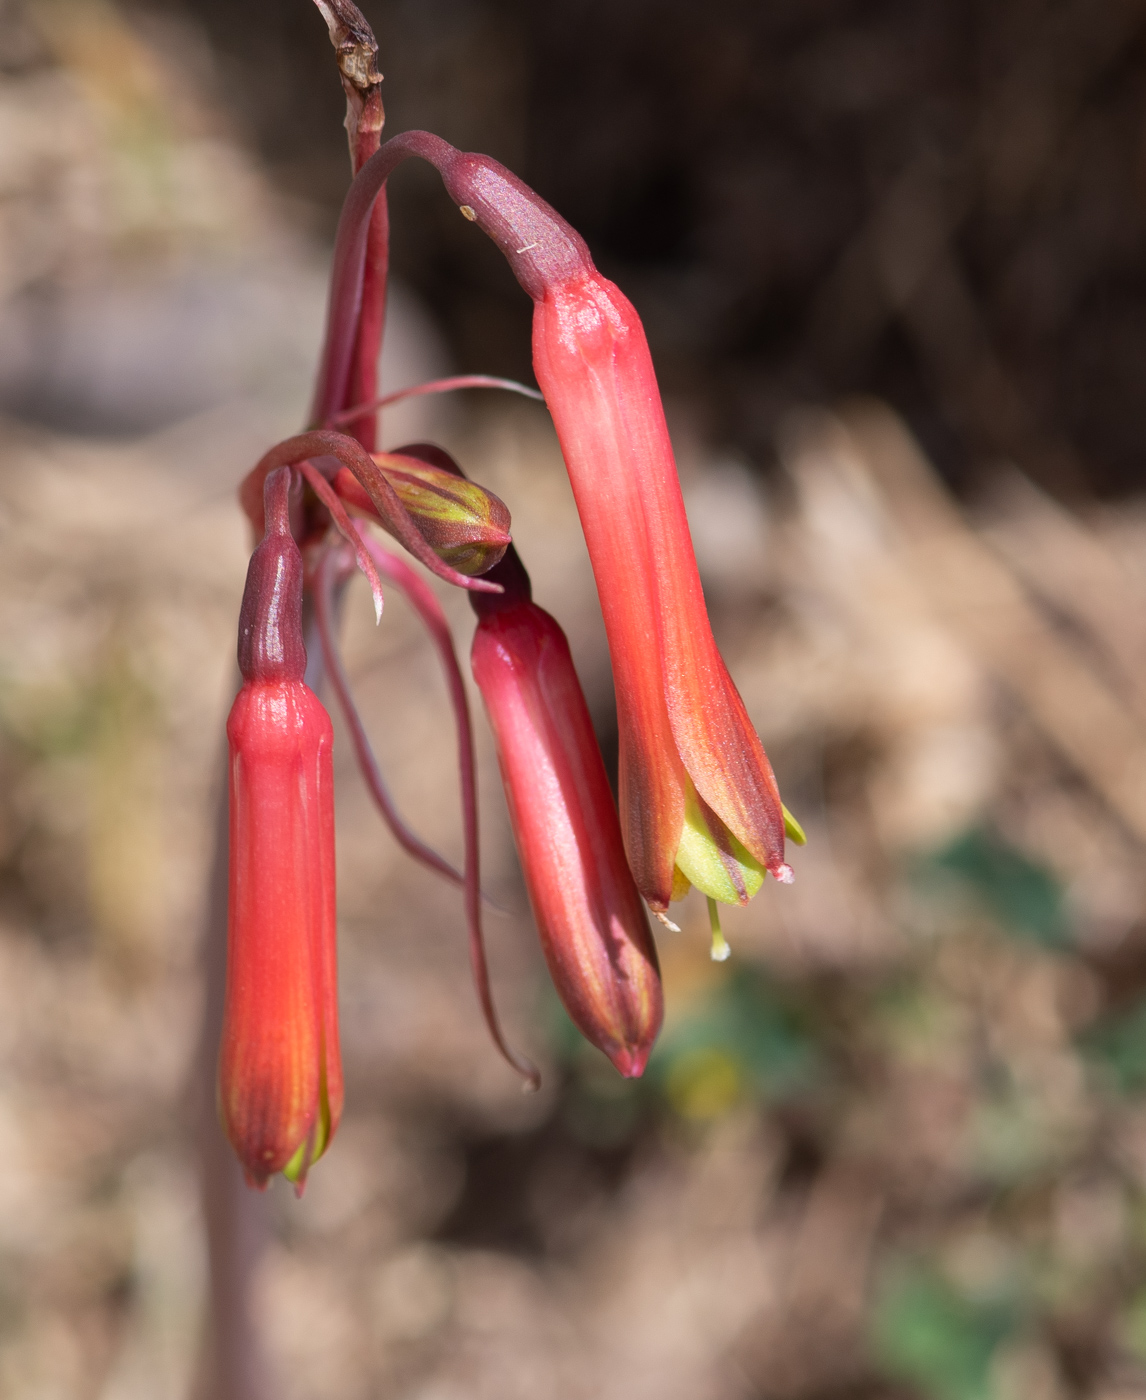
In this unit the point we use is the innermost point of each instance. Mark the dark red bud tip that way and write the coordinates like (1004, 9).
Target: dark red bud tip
(543, 250)
(270, 620)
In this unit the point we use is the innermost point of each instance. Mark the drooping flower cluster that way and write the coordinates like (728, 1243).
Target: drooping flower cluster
(698, 800)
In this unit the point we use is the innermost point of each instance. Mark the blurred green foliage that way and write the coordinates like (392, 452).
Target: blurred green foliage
(929, 1332)
(745, 1036)
(964, 1043)
(742, 1038)
(1020, 894)
(1117, 1047)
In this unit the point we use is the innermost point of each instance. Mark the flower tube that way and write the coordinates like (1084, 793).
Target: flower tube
(593, 928)
(699, 802)
(280, 1073)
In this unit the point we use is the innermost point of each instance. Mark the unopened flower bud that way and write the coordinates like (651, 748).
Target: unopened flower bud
(280, 1074)
(464, 524)
(593, 926)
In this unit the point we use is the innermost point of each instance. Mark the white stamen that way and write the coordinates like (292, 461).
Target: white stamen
(668, 923)
(720, 948)
(785, 874)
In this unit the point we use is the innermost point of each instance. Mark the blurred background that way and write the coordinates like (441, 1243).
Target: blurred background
(891, 261)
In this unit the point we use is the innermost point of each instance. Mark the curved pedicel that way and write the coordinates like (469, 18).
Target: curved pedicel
(540, 246)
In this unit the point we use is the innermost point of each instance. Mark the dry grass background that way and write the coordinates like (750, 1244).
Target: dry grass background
(894, 1148)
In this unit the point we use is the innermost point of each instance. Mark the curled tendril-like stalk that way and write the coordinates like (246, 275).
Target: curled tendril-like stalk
(432, 386)
(424, 602)
(335, 566)
(329, 498)
(326, 443)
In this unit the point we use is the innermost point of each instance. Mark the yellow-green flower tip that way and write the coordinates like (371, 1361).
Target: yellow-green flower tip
(465, 525)
(712, 859)
(792, 828)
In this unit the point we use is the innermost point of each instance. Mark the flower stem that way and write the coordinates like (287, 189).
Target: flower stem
(433, 386)
(425, 603)
(357, 51)
(331, 574)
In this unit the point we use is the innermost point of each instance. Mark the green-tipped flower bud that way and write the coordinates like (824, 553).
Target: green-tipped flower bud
(465, 525)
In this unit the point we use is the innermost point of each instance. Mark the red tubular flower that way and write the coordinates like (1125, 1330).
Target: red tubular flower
(697, 790)
(593, 928)
(280, 1074)
(699, 801)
